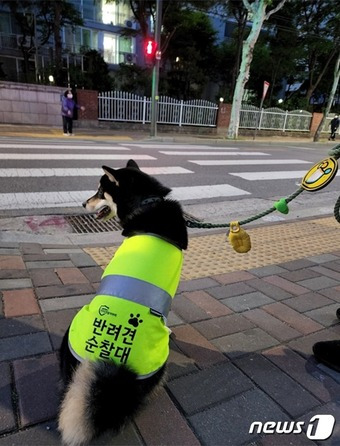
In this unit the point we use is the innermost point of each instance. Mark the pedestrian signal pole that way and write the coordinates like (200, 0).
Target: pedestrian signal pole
(155, 71)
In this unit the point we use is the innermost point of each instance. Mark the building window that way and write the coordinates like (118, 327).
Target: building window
(110, 44)
(115, 13)
(80, 39)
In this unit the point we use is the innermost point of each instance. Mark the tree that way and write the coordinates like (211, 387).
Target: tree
(330, 98)
(38, 20)
(259, 15)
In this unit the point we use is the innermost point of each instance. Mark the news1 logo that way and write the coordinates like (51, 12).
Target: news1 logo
(320, 427)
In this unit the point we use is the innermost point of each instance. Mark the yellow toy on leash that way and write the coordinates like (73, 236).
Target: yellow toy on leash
(239, 238)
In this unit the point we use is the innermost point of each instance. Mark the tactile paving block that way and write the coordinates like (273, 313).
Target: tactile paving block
(212, 254)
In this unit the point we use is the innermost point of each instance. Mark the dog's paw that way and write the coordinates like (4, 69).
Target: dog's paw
(134, 321)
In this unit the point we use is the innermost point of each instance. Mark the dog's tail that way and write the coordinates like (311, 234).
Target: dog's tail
(101, 396)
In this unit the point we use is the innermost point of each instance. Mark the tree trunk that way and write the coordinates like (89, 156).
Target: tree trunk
(247, 57)
(330, 99)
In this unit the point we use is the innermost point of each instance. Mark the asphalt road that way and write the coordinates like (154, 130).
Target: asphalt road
(218, 182)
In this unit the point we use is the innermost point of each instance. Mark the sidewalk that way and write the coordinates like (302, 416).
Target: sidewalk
(124, 135)
(243, 329)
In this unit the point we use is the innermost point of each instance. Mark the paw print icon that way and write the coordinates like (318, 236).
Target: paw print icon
(134, 320)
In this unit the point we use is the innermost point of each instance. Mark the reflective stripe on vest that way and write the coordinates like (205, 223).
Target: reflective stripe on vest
(136, 290)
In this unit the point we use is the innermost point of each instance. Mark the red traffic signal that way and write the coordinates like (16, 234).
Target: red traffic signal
(150, 48)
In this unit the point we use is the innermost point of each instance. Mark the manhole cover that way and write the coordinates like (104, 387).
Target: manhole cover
(87, 224)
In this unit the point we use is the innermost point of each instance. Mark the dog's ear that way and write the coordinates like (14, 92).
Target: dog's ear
(132, 163)
(111, 174)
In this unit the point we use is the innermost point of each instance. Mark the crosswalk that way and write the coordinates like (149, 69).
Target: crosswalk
(60, 174)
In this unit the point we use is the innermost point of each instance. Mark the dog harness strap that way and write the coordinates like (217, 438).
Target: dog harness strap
(136, 290)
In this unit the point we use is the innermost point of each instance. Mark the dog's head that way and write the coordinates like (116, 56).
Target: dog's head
(121, 192)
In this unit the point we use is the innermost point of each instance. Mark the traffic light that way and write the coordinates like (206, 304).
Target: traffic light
(150, 49)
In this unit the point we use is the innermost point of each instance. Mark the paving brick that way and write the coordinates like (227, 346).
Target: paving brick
(328, 272)
(14, 274)
(24, 345)
(319, 283)
(222, 326)
(285, 440)
(187, 310)
(31, 248)
(297, 264)
(277, 385)
(335, 266)
(46, 434)
(269, 290)
(269, 270)
(196, 284)
(82, 259)
(15, 284)
(325, 315)
(65, 250)
(11, 262)
(178, 364)
(304, 344)
(32, 374)
(160, 423)
(307, 302)
(21, 325)
(44, 277)
(20, 302)
(7, 419)
(173, 319)
(70, 275)
(271, 325)
(228, 423)
(46, 292)
(290, 287)
(300, 274)
(236, 276)
(50, 264)
(306, 374)
(93, 273)
(44, 257)
(211, 306)
(211, 386)
(323, 258)
(296, 320)
(239, 344)
(332, 293)
(194, 345)
(247, 301)
(57, 323)
(331, 408)
(64, 303)
(235, 289)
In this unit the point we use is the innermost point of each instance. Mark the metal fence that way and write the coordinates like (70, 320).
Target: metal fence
(122, 106)
(252, 117)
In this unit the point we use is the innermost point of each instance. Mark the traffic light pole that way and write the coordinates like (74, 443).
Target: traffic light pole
(155, 71)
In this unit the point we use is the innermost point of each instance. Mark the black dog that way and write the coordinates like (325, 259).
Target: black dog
(114, 352)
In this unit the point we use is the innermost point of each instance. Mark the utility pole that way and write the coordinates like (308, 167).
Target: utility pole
(155, 71)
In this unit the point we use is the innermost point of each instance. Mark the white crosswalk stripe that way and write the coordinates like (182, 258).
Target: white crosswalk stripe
(84, 172)
(243, 162)
(273, 175)
(215, 153)
(75, 198)
(62, 147)
(177, 147)
(54, 156)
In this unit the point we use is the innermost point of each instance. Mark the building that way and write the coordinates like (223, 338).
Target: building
(107, 28)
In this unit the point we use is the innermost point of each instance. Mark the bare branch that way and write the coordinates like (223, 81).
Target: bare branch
(249, 6)
(279, 6)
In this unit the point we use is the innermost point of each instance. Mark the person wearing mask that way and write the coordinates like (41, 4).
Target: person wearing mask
(68, 106)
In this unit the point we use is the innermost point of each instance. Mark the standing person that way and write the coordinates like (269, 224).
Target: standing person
(334, 127)
(67, 111)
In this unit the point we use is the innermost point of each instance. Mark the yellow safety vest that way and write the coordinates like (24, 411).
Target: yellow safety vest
(125, 321)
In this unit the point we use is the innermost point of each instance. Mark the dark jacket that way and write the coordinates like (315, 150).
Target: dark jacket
(68, 105)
